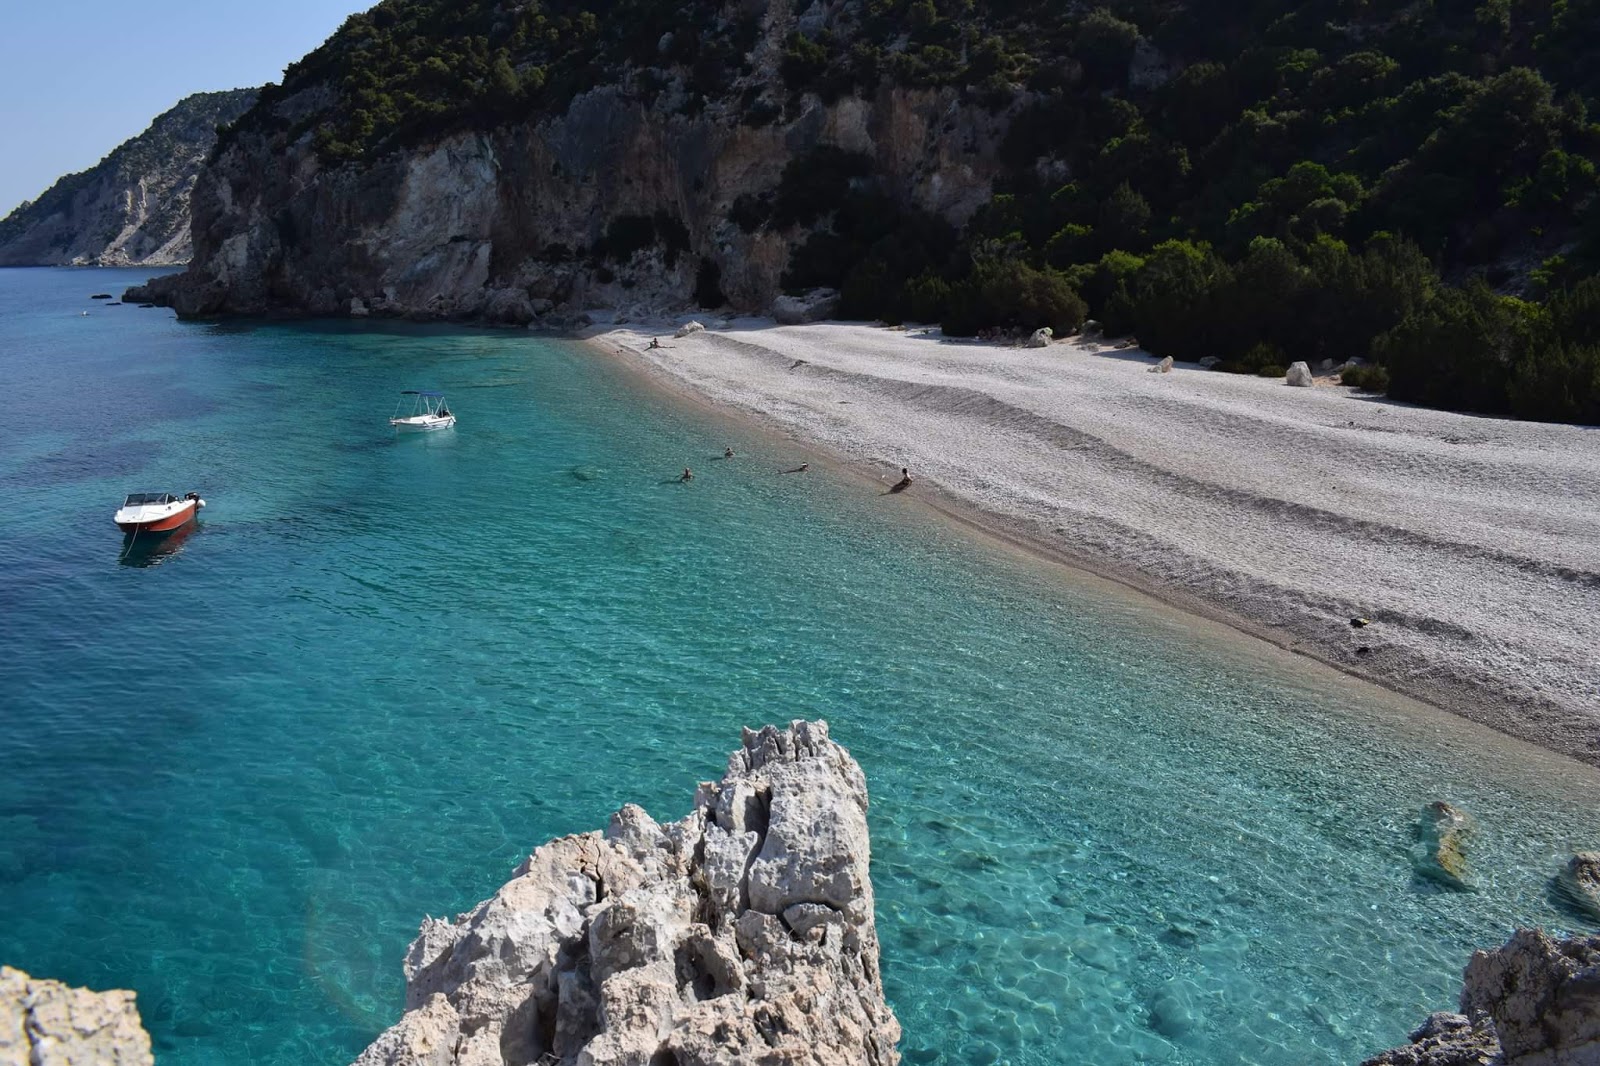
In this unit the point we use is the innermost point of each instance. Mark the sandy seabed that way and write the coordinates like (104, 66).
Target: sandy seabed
(1472, 544)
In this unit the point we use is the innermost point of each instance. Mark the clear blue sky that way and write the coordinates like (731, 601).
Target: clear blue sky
(79, 77)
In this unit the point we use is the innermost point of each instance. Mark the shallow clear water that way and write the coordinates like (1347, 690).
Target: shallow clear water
(235, 776)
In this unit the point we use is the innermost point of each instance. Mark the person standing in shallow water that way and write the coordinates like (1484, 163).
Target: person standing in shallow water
(688, 475)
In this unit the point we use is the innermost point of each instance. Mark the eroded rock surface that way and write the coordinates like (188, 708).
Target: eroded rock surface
(742, 933)
(1443, 836)
(46, 1023)
(1579, 882)
(1533, 1002)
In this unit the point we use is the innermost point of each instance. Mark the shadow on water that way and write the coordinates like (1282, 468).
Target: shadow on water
(143, 550)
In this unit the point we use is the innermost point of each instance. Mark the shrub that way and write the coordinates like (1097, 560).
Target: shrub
(1272, 370)
(1370, 378)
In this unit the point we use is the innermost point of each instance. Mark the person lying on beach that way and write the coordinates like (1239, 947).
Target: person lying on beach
(688, 475)
(904, 482)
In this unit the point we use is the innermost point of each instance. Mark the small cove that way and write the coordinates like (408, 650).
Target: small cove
(384, 669)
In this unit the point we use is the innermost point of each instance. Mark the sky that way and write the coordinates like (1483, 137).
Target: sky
(79, 77)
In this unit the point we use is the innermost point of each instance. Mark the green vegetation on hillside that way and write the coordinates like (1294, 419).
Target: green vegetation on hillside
(1256, 180)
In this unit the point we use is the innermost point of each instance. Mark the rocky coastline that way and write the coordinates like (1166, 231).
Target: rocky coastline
(1533, 1002)
(743, 932)
(131, 208)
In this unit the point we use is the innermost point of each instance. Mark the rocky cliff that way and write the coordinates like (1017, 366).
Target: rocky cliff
(743, 932)
(1533, 1002)
(132, 208)
(625, 192)
(45, 1023)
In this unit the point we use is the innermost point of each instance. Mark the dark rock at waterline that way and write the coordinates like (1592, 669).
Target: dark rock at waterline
(101, 296)
(1441, 851)
(1579, 885)
(1533, 1002)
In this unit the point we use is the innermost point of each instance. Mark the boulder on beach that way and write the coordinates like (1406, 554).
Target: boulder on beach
(813, 306)
(1299, 374)
(1441, 851)
(687, 328)
(47, 1023)
(742, 933)
(1163, 367)
(1579, 883)
(1041, 338)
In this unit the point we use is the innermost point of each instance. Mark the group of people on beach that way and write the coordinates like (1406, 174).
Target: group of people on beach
(728, 453)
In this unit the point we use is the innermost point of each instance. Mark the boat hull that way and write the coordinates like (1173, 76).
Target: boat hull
(422, 425)
(167, 524)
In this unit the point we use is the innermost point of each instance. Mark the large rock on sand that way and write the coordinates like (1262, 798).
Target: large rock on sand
(689, 328)
(1533, 1002)
(1041, 338)
(1299, 374)
(742, 933)
(1441, 850)
(46, 1023)
(1579, 882)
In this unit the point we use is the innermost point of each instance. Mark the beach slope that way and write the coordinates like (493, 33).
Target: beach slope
(1471, 544)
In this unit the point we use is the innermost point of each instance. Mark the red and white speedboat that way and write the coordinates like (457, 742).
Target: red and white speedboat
(157, 512)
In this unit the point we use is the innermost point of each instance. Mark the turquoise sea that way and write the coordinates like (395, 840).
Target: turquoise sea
(235, 775)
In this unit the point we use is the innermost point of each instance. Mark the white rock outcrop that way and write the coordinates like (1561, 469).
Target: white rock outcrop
(1533, 1002)
(1163, 367)
(813, 306)
(742, 933)
(1041, 338)
(689, 328)
(46, 1023)
(1300, 375)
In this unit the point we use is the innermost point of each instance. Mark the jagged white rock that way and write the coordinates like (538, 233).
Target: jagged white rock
(1299, 374)
(1041, 338)
(46, 1023)
(1533, 1002)
(687, 328)
(742, 933)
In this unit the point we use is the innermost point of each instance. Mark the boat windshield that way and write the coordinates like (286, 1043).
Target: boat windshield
(139, 499)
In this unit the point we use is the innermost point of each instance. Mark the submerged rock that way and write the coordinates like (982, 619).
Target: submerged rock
(1441, 853)
(46, 1023)
(1579, 882)
(742, 933)
(1533, 1002)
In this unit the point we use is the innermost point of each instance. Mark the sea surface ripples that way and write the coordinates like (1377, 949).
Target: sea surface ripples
(234, 775)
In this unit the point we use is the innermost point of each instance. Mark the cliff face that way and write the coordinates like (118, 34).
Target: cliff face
(45, 1023)
(742, 933)
(510, 219)
(132, 208)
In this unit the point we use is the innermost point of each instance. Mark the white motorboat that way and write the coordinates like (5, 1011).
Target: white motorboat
(428, 411)
(157, 512)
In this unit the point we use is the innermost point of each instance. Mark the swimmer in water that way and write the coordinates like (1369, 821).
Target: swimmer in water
(688, 475)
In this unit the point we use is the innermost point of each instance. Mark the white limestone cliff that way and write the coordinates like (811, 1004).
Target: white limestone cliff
(742, 933)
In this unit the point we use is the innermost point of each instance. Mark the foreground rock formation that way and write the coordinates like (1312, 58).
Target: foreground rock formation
(1533, 1002)
(45, 1023)
(132, 208)
(742, 933)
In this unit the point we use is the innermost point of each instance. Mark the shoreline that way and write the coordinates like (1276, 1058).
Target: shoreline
(1565, 727)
